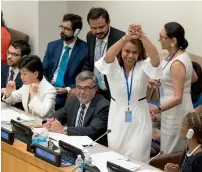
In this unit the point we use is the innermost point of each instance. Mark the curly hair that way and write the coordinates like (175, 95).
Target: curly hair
(194, 121)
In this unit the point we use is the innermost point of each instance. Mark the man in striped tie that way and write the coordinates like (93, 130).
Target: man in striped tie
(85, 114)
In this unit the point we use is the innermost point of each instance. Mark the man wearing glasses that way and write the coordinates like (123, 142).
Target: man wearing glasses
(86, 114)
(9, 70)
(64, 58)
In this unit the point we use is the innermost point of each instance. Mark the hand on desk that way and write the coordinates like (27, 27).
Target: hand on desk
(169, 167)
(54, 125)
(10, 87)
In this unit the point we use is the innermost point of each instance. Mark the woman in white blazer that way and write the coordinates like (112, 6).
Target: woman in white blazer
(37, 94)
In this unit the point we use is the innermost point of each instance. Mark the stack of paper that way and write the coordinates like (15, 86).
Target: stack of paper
(7, 115)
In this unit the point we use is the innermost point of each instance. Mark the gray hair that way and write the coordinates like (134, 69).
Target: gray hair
(86, 75)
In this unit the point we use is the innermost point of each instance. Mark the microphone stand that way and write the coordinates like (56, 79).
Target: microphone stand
(138, 168)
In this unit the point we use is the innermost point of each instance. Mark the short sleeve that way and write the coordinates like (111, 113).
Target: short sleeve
(109, 69)
(151, 71)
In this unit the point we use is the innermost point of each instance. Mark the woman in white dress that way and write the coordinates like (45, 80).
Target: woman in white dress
(176, 84)
(128, 72)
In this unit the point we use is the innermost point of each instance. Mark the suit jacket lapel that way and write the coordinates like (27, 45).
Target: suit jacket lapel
(57, 55)
(75, 50)
(74, 112)
(92, 48)
(110, 38)
(18, 80)
(90, 111)
(26, 98)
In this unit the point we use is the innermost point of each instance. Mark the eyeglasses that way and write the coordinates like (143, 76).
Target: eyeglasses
(87, 88)
(65, 28)
(12, 54)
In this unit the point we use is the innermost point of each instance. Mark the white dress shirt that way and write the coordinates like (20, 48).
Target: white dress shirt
(78, 113)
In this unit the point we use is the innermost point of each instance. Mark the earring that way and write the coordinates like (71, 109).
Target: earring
(172, 45)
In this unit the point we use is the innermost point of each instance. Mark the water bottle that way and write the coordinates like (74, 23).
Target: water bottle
(79, 164)
(88, 160)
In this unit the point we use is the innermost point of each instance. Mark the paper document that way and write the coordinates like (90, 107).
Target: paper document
(7, 115)
(100, 160)
(77, 141)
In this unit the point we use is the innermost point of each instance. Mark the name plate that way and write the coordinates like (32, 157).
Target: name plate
(7, 136)
(47, 155)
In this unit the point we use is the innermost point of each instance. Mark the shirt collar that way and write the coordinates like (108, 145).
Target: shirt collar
(16, 70)
(70, 45)
(87, 105)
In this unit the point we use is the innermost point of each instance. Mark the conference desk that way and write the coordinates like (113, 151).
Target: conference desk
(15, 158)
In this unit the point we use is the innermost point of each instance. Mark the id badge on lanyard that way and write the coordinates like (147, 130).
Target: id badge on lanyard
(128, 113)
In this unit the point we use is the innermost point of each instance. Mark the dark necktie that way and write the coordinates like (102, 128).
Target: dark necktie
(81, 116)
(11, 75)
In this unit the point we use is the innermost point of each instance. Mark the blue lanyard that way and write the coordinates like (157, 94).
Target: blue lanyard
(129, 90)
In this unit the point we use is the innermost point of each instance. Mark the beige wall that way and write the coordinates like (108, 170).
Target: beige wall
(40, 20)
(152, 15)
(23, 16)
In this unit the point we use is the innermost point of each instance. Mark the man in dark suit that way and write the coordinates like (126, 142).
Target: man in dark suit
(9, 70)
(64, 58)
(99, 39)
(85, 114)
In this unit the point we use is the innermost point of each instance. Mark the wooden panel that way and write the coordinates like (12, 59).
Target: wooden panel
(18, 151)
(13, 164)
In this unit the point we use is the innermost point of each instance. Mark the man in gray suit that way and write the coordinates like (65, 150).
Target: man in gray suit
(86, 114)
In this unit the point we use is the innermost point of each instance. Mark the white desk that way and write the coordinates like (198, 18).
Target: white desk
(17, 152)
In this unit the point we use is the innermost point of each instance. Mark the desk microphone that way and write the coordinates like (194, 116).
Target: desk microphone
(107, 132)
(138, 168)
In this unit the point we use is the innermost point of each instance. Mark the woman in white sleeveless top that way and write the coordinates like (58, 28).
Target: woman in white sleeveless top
(176, 84)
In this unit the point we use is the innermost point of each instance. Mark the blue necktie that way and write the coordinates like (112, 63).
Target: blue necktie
(62, 69)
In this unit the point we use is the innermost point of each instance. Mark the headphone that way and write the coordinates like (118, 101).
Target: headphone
(190, 134)
(76, 32)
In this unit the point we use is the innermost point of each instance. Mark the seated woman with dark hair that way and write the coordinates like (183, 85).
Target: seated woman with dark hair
(37, 94)
(196, 89)
(191, 131)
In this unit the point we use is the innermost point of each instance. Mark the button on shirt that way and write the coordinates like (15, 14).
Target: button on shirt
(16, 71)
(63, 50)
(78, 113)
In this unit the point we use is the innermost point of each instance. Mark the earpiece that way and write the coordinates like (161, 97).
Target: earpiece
(77, 31)
(190, 134)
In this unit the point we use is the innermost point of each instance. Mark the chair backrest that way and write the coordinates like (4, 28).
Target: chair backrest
(17, 35)
(197, 59)
(162, 160)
